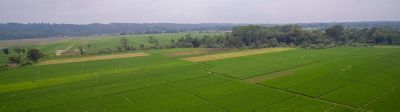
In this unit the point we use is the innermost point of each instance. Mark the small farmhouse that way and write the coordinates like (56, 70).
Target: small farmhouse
(59, 52)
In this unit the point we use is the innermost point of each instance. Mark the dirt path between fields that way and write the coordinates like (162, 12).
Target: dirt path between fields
(277, 74)
(269, 76)
(235, 54)
(200, 51)
(92, 58)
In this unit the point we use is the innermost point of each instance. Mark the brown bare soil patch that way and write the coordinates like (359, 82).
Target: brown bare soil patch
(235, 54)
(92, 58)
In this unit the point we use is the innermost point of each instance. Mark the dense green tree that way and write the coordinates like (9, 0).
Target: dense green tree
(6, 51)
(81, 50)
(172, 41)
(141, 46)
(292, 35)
(15, 59)
(43, 30)
(124, 43)
(34, 55)
(20, 60)
(232, 42)
(19, 50)
(153, 40)
(336, 33)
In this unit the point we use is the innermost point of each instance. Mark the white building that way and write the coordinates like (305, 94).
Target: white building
(59, 52)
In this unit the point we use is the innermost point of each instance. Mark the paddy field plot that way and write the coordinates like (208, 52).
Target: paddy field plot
(96, 43)
(343, 79)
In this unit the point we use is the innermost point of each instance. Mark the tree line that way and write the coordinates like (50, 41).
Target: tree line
(21, 57)
(254, 36)
(10, 31)
(251, 36)
(42, 30)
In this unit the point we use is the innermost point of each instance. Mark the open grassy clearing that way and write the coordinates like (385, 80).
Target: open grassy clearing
(300, 80)
(235, 54)
(91, 58)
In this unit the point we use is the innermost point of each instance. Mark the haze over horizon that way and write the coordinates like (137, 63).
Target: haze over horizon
(197, 11)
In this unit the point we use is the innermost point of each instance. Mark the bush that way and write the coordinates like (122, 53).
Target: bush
(34, 55)
(3, 67)
(20, 61)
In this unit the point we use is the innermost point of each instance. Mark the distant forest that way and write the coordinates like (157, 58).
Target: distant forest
(255, 36)
(10, 31)
(42, 30)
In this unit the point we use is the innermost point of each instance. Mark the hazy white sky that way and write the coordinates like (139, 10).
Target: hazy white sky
(197, 11)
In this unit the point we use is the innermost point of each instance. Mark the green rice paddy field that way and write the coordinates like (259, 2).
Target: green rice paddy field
(96, 43)
(343, 79)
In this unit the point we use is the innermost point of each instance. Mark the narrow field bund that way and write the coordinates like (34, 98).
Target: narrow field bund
(356, 76)
(235, 54)
(273, 75)
(294, 94)
(91, 58)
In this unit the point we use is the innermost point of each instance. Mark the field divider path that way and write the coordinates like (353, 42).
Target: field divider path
(315, 98)
(211, 72)
(296, 94)
(189, 92)
(284, 99)
(235, 54)
(340, 87)
(360, 80)
(92, 58)
(380, 96)
(115, 93)
(330, 108)
(276, 74)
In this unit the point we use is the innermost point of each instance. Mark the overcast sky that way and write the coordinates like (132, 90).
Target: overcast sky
(197, 11)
